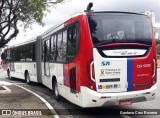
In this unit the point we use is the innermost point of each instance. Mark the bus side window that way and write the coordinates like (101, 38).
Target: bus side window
(28, 52)
(33, 52)
(8, 57)
(53, 48)
(46, 50)
(64, 46)
(12, 54)
(59, 47)
(43, 50)
(72, 42)
(22, 53)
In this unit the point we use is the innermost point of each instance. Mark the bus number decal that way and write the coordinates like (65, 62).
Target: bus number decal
(143, 65)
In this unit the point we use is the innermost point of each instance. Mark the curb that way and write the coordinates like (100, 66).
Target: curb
(55, 115)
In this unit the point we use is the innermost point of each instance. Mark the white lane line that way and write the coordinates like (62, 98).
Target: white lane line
(43, 100)
(126, 116)
(5, 83)
(19, 83)
(7, 90)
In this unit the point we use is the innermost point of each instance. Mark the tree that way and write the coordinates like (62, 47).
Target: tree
(24, 12)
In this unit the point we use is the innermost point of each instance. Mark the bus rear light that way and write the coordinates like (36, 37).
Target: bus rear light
(91, 75)
(92, 72)
(154, 69)
(154, 72)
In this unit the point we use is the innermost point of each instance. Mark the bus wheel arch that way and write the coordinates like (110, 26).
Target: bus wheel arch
(55, 88)
(27, 77)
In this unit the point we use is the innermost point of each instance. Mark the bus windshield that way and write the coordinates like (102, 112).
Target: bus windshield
(107, 28)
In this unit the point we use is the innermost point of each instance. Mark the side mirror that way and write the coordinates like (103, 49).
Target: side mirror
(3, 56)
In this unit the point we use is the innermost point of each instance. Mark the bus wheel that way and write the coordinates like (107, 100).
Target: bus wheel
(9, 75)
(56, 91)
(27, 78)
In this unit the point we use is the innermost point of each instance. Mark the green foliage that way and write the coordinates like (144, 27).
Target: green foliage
(32, 11)
(158, 41)
(158, 49)
(25, 12)
(158, 46)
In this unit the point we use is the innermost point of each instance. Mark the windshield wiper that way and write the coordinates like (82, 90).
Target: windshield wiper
(106, 42)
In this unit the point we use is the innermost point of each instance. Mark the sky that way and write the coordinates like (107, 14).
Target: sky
(69, 7)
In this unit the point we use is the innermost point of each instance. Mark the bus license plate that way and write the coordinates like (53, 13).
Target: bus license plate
(125, 102)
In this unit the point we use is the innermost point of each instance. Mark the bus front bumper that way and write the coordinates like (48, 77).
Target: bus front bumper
(92, 98)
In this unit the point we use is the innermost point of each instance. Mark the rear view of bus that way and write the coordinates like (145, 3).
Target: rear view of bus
(123, 67)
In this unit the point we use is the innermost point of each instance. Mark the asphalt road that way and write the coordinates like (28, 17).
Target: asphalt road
(69, 110)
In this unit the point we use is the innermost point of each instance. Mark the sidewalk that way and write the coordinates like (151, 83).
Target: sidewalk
(22, 101)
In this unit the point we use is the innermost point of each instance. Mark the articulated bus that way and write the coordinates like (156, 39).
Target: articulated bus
(19, 58)
(92, 59)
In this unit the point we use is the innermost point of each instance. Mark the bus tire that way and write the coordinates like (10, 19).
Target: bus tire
(27, 78)
(9, 75)
(56, 91)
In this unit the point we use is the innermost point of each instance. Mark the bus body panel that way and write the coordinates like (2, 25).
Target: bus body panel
(123, 74)
(20, 68)
(143, 72)
(92, 98)
(110, 73)
(85, 44)
(54, 69)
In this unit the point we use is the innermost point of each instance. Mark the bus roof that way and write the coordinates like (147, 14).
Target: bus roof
(119, 12)
(22, 43)
(61, 24)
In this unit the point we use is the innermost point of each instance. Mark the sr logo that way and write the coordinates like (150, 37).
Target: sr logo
(105, 63)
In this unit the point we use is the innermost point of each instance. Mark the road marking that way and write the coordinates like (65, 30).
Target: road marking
(20, 83)
(43, 100)
(5, 83)
(125, 116)
(7, 90)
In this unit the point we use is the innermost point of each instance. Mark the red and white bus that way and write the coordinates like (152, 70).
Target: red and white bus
(92, 59)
